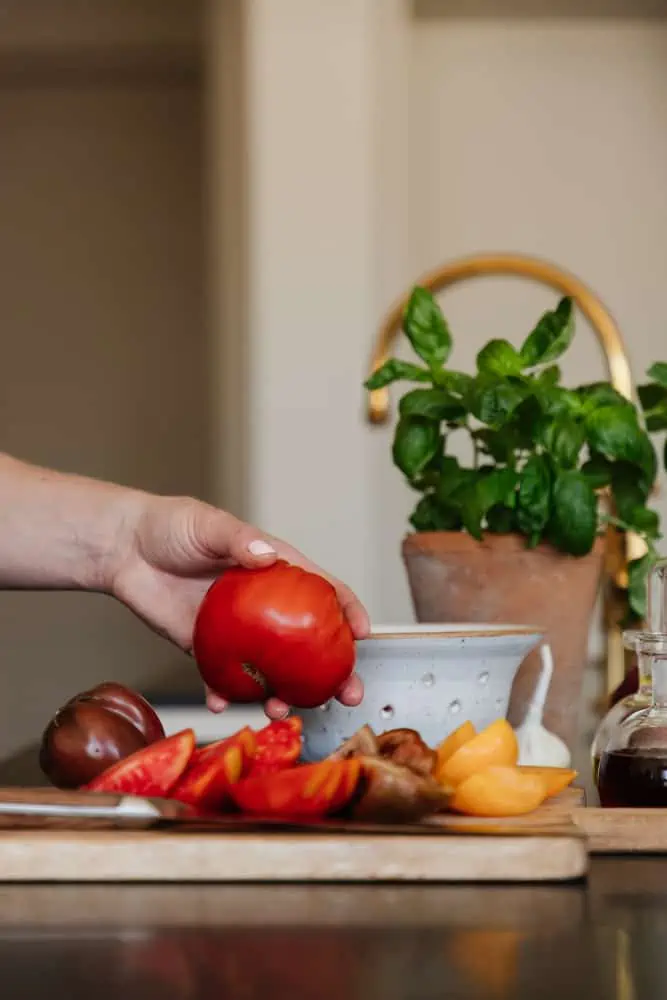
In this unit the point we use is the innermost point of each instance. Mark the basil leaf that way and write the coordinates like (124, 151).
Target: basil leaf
(573, 522)
(597, 471)
(614, 431)
(550, 376)
(453, 479)
(563, 438)
(651, 395)
(500, 519)
(434, 404)
(626, 489)
(426, 328)
(429, 515)
(597, 394)
(644, 521)
(534, 496)
(393, 370)
(493, 401)
(487, 489)
(551, 336)
(656, 419)
(455, 382)
(638, 572)
(658, 372)
(498, 357)
(416, 441)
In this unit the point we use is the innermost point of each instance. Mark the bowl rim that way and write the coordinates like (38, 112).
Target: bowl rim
(467, 630)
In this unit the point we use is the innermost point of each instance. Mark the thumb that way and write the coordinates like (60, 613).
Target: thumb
(224, 536)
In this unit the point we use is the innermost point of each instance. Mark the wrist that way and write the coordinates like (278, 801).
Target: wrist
(112, 538)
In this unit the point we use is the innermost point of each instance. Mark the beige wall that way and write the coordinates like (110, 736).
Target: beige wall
(101, 289)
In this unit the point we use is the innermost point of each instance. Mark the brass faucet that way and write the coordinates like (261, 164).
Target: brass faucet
(620, 548)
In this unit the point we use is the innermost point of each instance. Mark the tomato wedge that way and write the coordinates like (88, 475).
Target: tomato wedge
(206, 783)
(152, 771)
(277, 746)
(245, 739)
(311, 790)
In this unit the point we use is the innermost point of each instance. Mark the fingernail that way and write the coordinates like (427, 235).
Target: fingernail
(260, 548)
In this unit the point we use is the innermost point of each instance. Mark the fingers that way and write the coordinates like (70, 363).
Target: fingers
(221, 537)
(274, 709)
(214, 702)
(352, 692)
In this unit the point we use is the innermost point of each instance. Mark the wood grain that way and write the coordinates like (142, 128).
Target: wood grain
(125, 856)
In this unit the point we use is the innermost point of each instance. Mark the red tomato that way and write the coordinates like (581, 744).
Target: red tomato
(312, 790)
(152, 771)
(207, 781)
(275, 631)
(277, 745)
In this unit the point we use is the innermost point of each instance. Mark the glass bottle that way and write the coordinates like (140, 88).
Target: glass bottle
(642, 697)
(633, 762)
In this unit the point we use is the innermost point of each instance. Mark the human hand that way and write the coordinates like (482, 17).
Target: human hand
(171, 551)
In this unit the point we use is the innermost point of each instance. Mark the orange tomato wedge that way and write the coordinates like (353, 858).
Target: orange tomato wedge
(499, 791)
(451, 744)
(556, 779)
(495, 745)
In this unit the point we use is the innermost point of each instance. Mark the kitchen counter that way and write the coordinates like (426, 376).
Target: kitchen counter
(601, 940)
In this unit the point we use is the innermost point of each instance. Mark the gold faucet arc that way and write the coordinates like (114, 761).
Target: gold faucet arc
(620, 550)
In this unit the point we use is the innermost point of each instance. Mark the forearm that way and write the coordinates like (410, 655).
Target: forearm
(59, 531)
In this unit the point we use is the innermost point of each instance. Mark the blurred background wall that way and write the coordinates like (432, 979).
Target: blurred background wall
(205, 211)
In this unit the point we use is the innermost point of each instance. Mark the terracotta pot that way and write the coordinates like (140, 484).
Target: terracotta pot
(454, 578)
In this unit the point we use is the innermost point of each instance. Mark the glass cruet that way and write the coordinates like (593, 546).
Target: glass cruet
(633, 762)
(642, 697)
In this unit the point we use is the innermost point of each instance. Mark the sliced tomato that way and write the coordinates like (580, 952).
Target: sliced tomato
(245, 739)
(206, 782)
(152, 771)
(277, 746)
(310, 790)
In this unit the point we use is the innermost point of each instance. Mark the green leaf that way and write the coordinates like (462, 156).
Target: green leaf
(393, 370)
(563, 438)
(549, 376)
(658, 372)
(626, 488)
(452, 479)
(597, 471)
(416, 441)
(614, 431)
(597, 394)
(651, 395)
(551, 337)
(573, 522)
(488, 489)
(493, 400)
(498, 357)
(534, 496)
(500, 520)
(457, 383)
(426, 328)
(656, 416)
(429, 515)
(434, 404)
(645, 522)
(638, 572)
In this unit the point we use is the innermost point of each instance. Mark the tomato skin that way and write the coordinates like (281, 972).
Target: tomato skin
(311, 790)
(275, 631)
(152, 771)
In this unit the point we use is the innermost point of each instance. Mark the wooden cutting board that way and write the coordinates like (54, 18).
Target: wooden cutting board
(545, 847)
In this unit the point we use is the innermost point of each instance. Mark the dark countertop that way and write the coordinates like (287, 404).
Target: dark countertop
(606, 940)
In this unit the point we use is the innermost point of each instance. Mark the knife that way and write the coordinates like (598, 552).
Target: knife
(48, 807)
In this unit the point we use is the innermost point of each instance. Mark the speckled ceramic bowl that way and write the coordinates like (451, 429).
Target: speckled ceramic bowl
(425, 677)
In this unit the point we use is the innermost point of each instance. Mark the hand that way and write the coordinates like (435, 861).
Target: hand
(171, 551)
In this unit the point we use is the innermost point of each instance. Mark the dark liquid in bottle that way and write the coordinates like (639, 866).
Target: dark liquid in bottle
(633, 778)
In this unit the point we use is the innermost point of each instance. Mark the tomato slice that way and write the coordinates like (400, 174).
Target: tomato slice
(206, 783)
(311, 790)
(277, 746)
(245, 739)
(152, 771)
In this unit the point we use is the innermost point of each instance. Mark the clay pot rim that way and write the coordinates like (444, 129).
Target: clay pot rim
(452, 630)
(427, 542)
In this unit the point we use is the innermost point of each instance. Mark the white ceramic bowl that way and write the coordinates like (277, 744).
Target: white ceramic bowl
(425, 677)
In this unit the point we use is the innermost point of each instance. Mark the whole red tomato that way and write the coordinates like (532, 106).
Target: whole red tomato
(279, 631)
